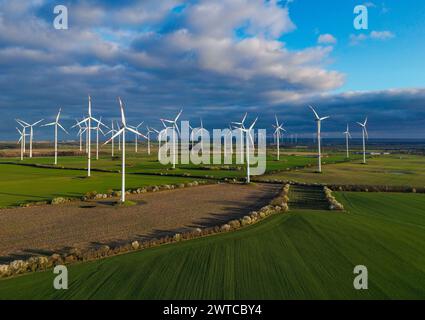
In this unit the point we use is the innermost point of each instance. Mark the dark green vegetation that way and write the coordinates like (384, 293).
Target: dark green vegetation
(307, 197)
(304, 254)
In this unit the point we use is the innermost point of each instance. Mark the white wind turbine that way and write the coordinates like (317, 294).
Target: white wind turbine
(159, 140)
(148, 134)
(135, 136)
(21, 140)
(31, 134)
(24, 126)
(112, 132)
(248, 138)
(175, 128)
(347, 136)
(201, 129)
(119, 138)
(81, 130)
(278, 128)
(88, 121)
(56, 124)
(319, 122)
(364, 135)
(241, 128)
(229, 133)
(122, 131)
(97, 136)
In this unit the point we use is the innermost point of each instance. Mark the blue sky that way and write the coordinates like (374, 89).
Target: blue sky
(217, 59)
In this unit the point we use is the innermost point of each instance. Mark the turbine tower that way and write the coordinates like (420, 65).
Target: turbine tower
(278, 128)
(347, 136)
(319, 123)
(364, 135)
(148, 134)
(248, 139)
(56, 124)
(122, 131)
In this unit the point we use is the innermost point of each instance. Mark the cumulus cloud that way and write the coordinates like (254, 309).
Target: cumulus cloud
(326, 39)
(373, 35)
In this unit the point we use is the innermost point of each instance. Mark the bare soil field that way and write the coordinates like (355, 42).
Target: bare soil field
(31, 231)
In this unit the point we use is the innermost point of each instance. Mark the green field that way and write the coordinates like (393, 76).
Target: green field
(20, 184)
(23, 183)
(396, 170)
(306, 254)
(142, 163)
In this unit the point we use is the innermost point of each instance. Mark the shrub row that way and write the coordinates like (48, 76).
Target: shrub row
(112, 193)
(41, 263)
(333, 203)
(367, 188)
(352, 187)
(154, 188)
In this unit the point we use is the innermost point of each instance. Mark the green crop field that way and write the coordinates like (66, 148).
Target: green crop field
(142, 163)
(20, 184)
(407, 170)
(305, 254)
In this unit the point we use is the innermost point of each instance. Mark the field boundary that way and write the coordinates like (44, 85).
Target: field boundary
(349, 187)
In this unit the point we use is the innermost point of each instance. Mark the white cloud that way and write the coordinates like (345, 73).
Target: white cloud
(139, 51)
(382, 35)
(374, 35)
(326, 39)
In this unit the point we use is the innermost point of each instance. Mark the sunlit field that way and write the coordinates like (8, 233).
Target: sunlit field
(398, 170)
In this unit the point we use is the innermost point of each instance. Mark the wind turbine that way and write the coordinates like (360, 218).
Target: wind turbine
(319, 122)
(24, 126)
(347, 136)
(229, 133)
(112, 132)
(21, 140)
(80, 133)
(201, 129)
(278, 128)
(148, 134)
(56, 124)
(97, 136)
(248, 139)
(122, 131)
(242, 126)
(88, 121)
(119, 138)
(135, 136)
(175, 128)
(364, 135)
(31, 134)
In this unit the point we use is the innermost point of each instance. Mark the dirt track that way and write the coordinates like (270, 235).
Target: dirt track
(38, 230)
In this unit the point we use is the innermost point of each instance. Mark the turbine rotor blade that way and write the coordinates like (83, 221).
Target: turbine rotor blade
(115, 135)
(60, 126)
(315, 113)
